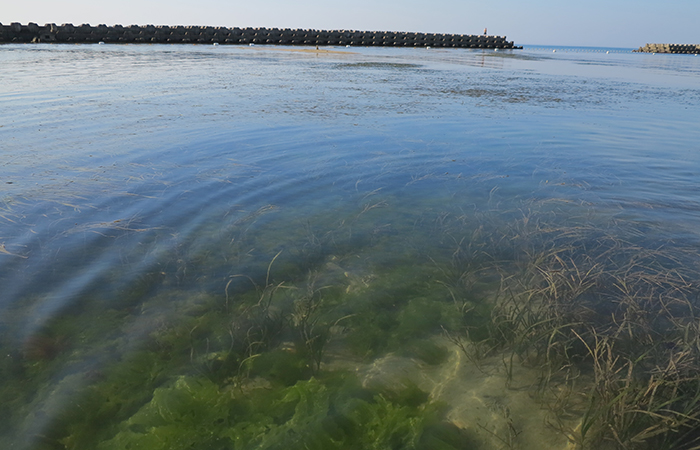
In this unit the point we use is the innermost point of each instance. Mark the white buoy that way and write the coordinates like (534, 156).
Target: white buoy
(215, 44)
(100, 43)
(554, 51)
(251, 44)
(427, 48)
(607, 53)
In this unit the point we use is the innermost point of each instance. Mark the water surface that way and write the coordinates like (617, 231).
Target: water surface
(260, 219)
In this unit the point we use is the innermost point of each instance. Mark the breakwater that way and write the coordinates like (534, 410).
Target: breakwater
(160, 34)
(669, 48)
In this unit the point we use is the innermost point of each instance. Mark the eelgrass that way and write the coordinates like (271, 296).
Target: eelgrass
(592, 309)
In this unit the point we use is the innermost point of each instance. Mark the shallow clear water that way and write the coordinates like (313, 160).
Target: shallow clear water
(150, 193)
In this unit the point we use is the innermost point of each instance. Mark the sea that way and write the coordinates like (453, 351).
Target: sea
(234, 247)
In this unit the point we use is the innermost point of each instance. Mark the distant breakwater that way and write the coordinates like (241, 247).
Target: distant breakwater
(669, 48)
(152, 34)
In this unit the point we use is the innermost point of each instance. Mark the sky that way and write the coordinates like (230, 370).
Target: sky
(595, 23)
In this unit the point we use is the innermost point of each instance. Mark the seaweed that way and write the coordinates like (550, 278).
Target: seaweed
(194, 412)
(590, 307)
(263, 362)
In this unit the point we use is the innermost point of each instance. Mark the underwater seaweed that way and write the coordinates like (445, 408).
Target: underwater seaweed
(590, 308)
(308, 415)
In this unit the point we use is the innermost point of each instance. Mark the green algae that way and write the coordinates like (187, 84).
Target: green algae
(308, 415)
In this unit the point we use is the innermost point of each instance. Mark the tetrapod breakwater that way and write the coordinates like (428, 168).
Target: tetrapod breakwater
(669, 48)
(162, 34)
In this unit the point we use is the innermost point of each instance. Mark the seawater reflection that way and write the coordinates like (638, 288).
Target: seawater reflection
(376, 229)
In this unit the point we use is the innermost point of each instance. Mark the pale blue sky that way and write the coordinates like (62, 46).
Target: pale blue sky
(612, 23)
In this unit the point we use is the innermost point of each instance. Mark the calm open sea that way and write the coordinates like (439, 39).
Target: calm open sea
(277, 227)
